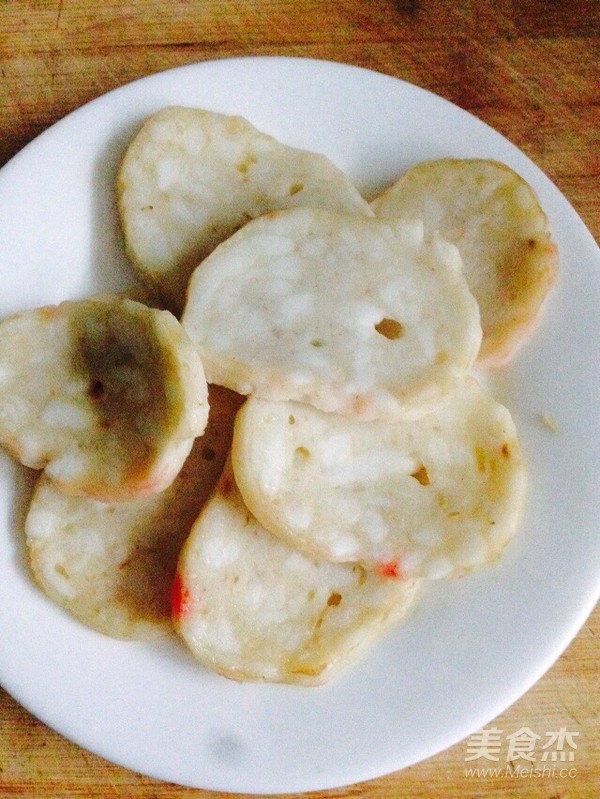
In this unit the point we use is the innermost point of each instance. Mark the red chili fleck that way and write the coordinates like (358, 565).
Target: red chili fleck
(180, 597)
(390, 569)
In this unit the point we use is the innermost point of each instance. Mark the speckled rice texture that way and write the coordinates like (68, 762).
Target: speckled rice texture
(191, 177)
(432, 498)
(349, 314)
(253, 608)
(495, 219)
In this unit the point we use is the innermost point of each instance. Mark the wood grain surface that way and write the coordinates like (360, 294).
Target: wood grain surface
(530, 69)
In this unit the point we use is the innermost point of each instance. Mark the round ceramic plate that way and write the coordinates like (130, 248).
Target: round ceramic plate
(471, 647)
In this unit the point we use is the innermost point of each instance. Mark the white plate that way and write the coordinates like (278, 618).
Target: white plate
(472, 647)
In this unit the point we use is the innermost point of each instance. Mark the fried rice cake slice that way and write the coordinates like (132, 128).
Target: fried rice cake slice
(106, 394)
(351, 314)
(191, 177)
(495, 219)
(428, 498)
(111, 565)
(253, 608)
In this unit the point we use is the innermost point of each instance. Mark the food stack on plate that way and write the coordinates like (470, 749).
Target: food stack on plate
(278, 449)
